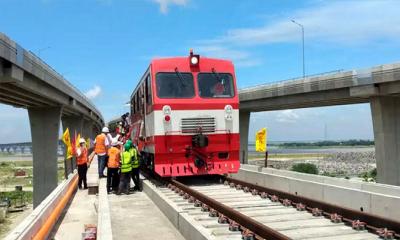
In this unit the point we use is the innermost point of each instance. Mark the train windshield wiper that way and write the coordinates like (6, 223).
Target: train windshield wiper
(181, 80)
(221, 80)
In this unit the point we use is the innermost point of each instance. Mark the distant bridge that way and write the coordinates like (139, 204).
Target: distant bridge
(28, 82)
(25, 148)
(379, 86)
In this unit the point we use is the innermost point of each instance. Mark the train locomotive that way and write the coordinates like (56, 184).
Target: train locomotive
(184, 117)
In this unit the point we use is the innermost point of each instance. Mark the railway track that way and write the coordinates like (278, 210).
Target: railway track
(238, 210)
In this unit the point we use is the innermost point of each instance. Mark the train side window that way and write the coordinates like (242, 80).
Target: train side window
(148, 90)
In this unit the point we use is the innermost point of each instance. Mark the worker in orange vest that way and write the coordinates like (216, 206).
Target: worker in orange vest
(114, 158)
(82, 162)
(102, 143)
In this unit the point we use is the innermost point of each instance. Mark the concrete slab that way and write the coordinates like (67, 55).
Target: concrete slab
(93, 177)
(135, 216)
(379, 199)
(81, 211)
(104, 229)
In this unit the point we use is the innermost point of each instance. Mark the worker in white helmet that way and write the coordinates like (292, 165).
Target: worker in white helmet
(102, 143)
(82, 162)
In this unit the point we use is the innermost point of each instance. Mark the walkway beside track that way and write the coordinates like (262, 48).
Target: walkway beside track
(82, 210)
(135, 216)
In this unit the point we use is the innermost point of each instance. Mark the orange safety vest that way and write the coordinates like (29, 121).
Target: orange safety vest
(114, 157)
(83, 158)
(100, 144)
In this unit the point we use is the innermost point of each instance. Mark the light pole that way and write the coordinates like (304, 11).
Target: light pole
(302, 33)
(41, 50)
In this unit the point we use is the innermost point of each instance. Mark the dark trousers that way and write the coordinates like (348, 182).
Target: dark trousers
(124, 182)
(135, 178)
(102, 160)
(112, 179)
(82, 170)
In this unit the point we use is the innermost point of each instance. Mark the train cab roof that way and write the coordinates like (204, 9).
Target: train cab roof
(184, 64)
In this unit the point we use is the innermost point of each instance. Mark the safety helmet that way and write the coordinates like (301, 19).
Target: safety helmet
(82, 141)
(127, 146)
(105, 130)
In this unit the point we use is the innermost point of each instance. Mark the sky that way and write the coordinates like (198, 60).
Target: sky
(104, 46)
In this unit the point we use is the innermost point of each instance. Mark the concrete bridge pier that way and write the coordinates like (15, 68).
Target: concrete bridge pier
(244, 123)
(45, 126)
(386, 122)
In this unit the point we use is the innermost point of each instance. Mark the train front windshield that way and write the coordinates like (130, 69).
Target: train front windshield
(215, 85)
(181, 85)
(175, 85)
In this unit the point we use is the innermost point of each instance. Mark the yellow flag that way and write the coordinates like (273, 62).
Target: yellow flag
(77, 140)
(88, 142)
(261, 140)
(67, 141)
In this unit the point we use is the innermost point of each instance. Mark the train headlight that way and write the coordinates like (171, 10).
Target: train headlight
(228, 112)
(194, 59)
(167, 113)
(166, 110)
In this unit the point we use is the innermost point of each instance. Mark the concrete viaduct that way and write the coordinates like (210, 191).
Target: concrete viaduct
(27, 82)
(379, 86)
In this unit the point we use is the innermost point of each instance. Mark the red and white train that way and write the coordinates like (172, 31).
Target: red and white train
(185, 116)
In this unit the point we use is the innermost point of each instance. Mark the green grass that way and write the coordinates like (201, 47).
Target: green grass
(7, 169)
(15, 196)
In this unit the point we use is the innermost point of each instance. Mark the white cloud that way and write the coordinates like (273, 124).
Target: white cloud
(94, 92)
(287, 116)
(333, 22)
(164, 4)
(239, 57)
(344, 22)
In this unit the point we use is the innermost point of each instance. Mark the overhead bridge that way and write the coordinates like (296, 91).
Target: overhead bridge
(379, 86)
(28, 82)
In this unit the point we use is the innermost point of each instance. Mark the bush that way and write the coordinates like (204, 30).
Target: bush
(373, 173)
(305, 168)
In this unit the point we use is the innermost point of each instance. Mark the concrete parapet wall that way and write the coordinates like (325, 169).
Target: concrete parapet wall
(379, 199)
(176, 215)
(35, 221)
(104, 229)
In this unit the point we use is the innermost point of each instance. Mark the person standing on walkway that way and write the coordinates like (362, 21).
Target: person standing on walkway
(82, 162)
(126, 169)
(102, 143)
(135, 168)
(113, 164)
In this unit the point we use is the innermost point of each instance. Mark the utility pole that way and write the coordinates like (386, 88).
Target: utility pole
(302, 34)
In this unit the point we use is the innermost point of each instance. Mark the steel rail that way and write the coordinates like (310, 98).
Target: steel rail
(256, 227)
(372, 222)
